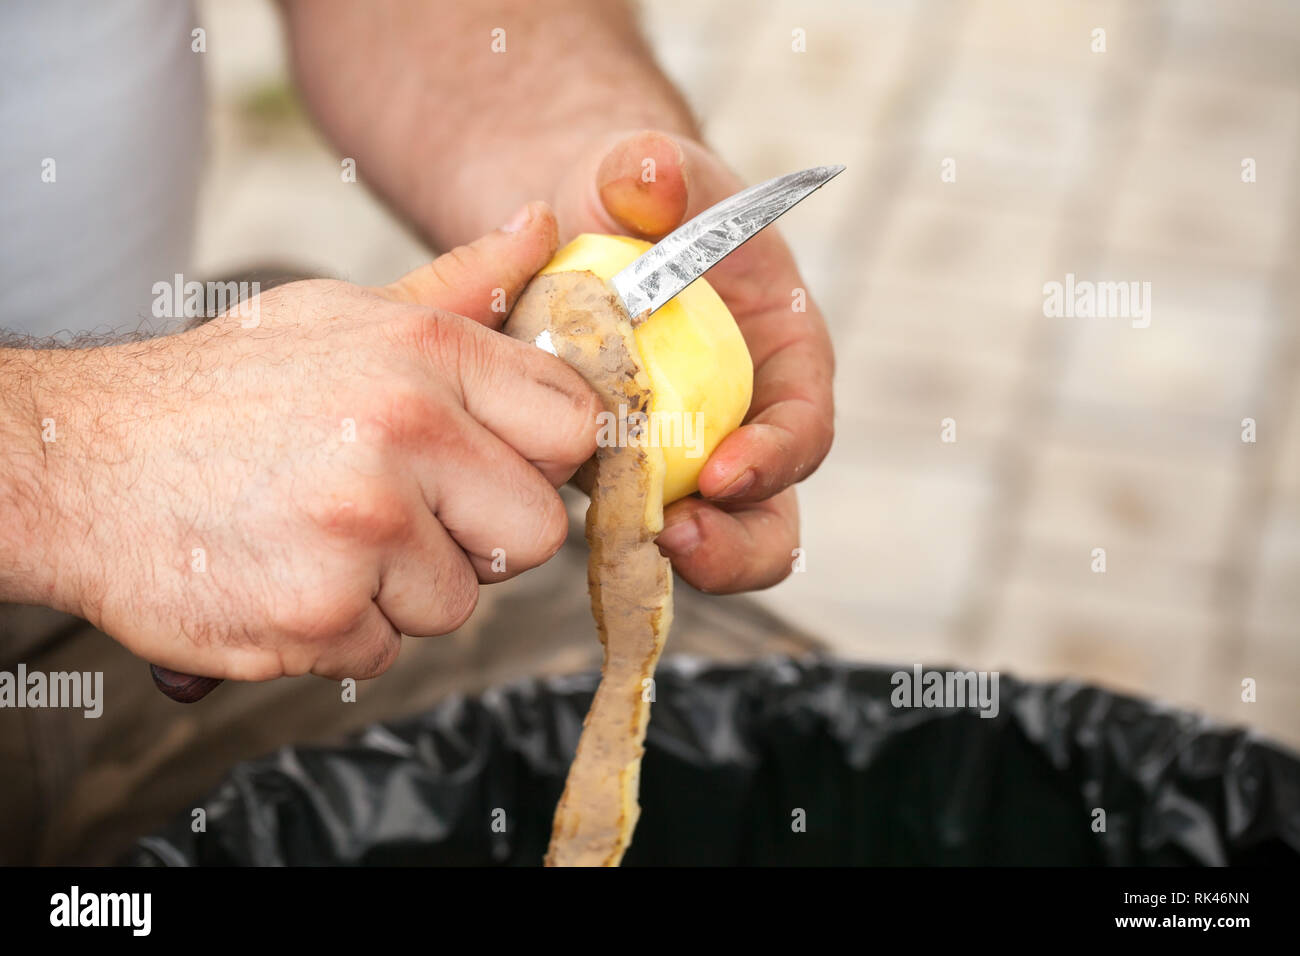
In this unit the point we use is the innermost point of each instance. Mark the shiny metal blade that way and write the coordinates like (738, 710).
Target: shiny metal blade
(694, 247)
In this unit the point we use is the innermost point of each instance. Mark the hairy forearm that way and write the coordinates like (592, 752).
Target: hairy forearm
(455, 135)
(61, 415)
(24, 572)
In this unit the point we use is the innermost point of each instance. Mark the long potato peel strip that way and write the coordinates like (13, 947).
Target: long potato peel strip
(630, 582)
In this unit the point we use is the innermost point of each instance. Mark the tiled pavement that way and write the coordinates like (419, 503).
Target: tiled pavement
(1072, 433)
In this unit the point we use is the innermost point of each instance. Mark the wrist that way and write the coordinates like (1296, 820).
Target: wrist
(52, 424)
(25, 575)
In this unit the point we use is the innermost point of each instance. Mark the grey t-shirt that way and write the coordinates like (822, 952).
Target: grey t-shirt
(102, 124)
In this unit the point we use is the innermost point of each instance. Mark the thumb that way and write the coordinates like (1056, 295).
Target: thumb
(642, 183)
(482, 280)
(649, 182)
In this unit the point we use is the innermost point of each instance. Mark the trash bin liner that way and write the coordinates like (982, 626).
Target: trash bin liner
(782, 762)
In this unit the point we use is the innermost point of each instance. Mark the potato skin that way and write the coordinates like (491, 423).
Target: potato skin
(630, 582)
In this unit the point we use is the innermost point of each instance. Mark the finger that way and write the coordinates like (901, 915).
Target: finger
(726, 549)
(367, 650)
(788, 431)
(754, 278)
(641, 182)
(648, 183)
(218, 660)
(688, 179)
(359, 645)
(482, 280)
(790, 422)
(428, 585)
(531, 400)
(492, 503)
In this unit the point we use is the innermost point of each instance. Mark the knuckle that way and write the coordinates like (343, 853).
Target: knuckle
(571, 406)
(540, 523)
(459, 601)
(406, 417)
(714, 568)
(713, 577)
(434, 333)
(296, 660)
(377, 657)
(777, 571)
(572, 422)
(823, 437)
(375, 515)
(451, 267)
(465, 352)
(553, 529)
(312, 622)
(256, 669)
(579, 442)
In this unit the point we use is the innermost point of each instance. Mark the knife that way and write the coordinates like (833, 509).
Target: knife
(645, 286)
(695, 247)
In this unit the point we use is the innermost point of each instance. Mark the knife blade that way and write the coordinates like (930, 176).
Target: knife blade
(693, 248)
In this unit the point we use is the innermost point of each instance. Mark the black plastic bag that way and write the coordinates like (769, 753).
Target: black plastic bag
(734, 754)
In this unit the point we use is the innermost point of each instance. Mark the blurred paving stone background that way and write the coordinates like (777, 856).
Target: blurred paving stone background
(1072, 433)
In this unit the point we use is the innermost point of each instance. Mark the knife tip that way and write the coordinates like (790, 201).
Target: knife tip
(824, 174)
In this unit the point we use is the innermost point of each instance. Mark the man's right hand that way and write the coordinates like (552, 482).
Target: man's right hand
(285, 498)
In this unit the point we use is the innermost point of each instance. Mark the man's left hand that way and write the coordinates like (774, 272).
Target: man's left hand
(740, 533)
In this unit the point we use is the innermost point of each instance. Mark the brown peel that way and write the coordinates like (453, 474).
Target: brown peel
(629, 580)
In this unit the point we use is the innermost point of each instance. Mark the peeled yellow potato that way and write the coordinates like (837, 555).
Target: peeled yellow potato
(701, 375)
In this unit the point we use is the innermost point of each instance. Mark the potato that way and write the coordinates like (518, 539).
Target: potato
(701, 375)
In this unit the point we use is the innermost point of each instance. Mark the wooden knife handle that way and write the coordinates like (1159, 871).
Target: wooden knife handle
(185, 688)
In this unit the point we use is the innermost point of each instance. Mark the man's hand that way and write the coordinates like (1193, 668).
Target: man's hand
(741, 533)
(283, 498)
(536, 93)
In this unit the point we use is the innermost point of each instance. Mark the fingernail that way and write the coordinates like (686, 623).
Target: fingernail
(739, 486)
(680, 537)
(522, 217)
